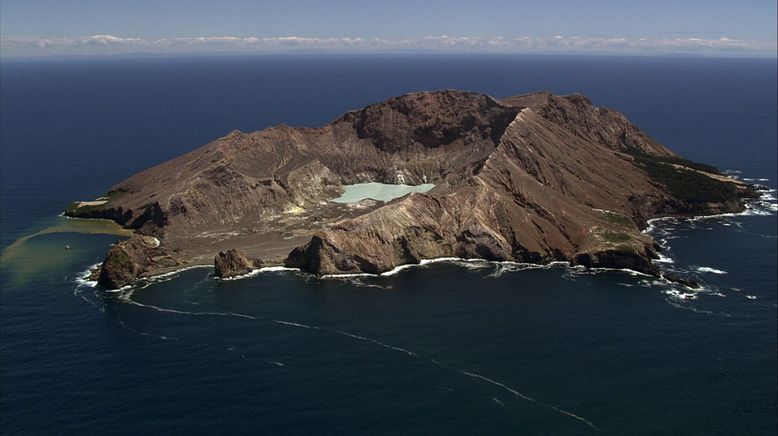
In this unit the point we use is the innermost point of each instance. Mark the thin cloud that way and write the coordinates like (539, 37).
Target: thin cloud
(110, 44)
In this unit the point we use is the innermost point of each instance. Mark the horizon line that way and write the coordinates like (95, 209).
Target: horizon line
(106, 44)
(368, 54)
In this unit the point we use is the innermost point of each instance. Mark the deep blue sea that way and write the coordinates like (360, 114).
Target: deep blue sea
(446, 348)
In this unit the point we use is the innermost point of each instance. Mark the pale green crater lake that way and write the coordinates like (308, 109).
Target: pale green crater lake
(378, 191)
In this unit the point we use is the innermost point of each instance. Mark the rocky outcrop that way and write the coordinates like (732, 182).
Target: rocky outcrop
(685, 281)
(531, 178)
(233, 263)
(617, 259)
(130, 259)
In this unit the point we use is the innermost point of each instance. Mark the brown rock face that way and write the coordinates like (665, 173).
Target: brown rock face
(620, 259)
(233, 263)
(432, 120)
(128, 260)
(530, 178)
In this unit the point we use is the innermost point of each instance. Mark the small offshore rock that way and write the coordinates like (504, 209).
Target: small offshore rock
(129, 259)
(125, 262)
(233, 263)
(675, 278)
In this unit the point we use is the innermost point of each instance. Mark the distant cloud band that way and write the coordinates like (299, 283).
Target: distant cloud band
(110, 44)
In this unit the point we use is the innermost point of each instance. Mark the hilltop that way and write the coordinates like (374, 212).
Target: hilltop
(530, 178)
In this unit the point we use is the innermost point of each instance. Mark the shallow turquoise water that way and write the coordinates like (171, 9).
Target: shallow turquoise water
(379, 191)
(446, 348)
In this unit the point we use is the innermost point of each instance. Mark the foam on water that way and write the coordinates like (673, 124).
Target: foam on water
(684, 297)
(676, 295)
(694, 309)
(504, 267)
(439, 363)
(258, 271)
(707, 269)
(82, 278)
(399, 269)
(175, 273)
(501, 267)
(627, 271)
(525, 397)
(764, 206)
(126, 297)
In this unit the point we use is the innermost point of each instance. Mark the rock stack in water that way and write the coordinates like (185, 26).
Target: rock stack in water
(530, 178)
(233, 263)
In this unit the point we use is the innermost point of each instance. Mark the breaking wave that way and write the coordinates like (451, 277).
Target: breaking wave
(82, 278)
(258, 271)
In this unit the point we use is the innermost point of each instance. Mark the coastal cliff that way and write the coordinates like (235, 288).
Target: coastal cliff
(531, 178)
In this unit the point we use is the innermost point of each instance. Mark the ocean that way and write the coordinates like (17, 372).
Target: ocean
(442, 348)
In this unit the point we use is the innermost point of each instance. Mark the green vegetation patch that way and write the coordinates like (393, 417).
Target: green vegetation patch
(616, 238)
(750, 191)
(684, 184)
(687, 185)
(691, 164)
(120, 258)
(641, 157)
(617, 219)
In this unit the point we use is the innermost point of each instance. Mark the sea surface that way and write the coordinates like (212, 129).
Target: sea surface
(442, 348)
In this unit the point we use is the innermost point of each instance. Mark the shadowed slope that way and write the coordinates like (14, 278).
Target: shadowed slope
(530, 178)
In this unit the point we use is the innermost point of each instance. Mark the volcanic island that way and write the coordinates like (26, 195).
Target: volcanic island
(534, 178)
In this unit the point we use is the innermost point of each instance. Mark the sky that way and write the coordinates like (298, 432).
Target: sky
(711, 27)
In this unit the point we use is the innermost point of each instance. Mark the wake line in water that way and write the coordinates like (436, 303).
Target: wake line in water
(127, 298)
(294, 324)
(439, 363)
(351, 335)
(520, 395)
(83, 283)
(138, 332)
(696, 310)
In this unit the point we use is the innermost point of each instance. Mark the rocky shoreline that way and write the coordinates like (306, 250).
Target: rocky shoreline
(258, 266)
(535, 178)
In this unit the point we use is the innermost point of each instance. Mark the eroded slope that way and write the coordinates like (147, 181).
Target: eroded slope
(530, 178)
